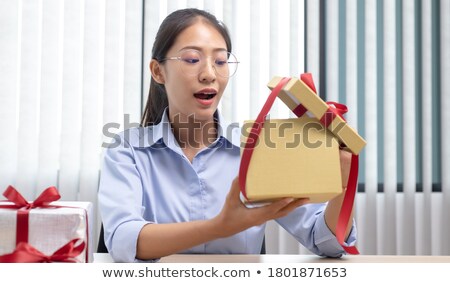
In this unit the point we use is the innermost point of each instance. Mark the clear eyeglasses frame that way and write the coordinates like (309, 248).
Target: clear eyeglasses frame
(192, 62)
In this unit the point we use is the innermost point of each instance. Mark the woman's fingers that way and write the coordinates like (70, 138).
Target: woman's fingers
(234, 195)
(238, 215)
(280, 204)
(280, 208)
(293, 205)
(235, 188)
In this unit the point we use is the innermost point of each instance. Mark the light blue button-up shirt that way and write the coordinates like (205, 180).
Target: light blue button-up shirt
(146, 178)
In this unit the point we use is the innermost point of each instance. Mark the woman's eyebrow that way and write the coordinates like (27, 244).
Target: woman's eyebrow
(201, 49)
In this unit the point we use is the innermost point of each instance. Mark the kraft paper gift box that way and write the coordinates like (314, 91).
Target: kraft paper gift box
(50, 228)
(295, 158)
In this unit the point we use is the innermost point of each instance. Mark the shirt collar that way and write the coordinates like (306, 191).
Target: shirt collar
(161, 134)
(230, 132)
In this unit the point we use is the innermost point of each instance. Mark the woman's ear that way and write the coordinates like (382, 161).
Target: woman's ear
(156, 71)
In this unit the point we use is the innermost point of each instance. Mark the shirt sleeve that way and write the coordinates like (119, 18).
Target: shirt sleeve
(120, 201)
(307, 225)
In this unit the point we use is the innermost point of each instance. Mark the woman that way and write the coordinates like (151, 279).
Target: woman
(170, 186)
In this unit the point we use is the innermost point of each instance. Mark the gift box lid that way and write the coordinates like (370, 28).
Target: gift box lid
(297, 92)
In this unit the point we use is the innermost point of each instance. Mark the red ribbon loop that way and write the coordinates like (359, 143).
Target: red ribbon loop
(25, 253)
(338, 108)
(47, 196)
(308, 80)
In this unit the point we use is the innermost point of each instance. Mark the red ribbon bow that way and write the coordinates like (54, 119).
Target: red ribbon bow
(334, 109)
(43, 200)
(25, 253)
(47, 196)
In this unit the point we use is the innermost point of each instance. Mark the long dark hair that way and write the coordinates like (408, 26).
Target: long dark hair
(170, 28)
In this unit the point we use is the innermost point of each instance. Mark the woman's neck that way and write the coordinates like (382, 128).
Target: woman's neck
(193, 135)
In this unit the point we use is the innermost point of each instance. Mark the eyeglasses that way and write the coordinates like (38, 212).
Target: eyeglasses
(192, 61)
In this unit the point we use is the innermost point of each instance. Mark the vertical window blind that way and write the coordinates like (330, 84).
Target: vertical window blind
(388, 61)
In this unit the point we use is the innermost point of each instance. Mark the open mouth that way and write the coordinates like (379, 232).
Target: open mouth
(204, 95)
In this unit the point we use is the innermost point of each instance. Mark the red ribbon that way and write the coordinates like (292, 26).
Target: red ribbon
(338, 109)
(334, 109)
(254, 135)
(47, 196)
(25, 253)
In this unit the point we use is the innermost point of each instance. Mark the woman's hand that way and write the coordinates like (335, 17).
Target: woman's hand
(158, 240)
(236, 217)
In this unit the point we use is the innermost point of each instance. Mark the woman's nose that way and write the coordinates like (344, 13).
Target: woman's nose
(208, 71)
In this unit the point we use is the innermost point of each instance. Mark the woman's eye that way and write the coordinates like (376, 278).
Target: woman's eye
(221, 62)
(191, 60)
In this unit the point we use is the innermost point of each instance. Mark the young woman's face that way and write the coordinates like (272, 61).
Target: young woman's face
(195, 91)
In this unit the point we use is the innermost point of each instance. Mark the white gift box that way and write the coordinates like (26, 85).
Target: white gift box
(51, 228)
